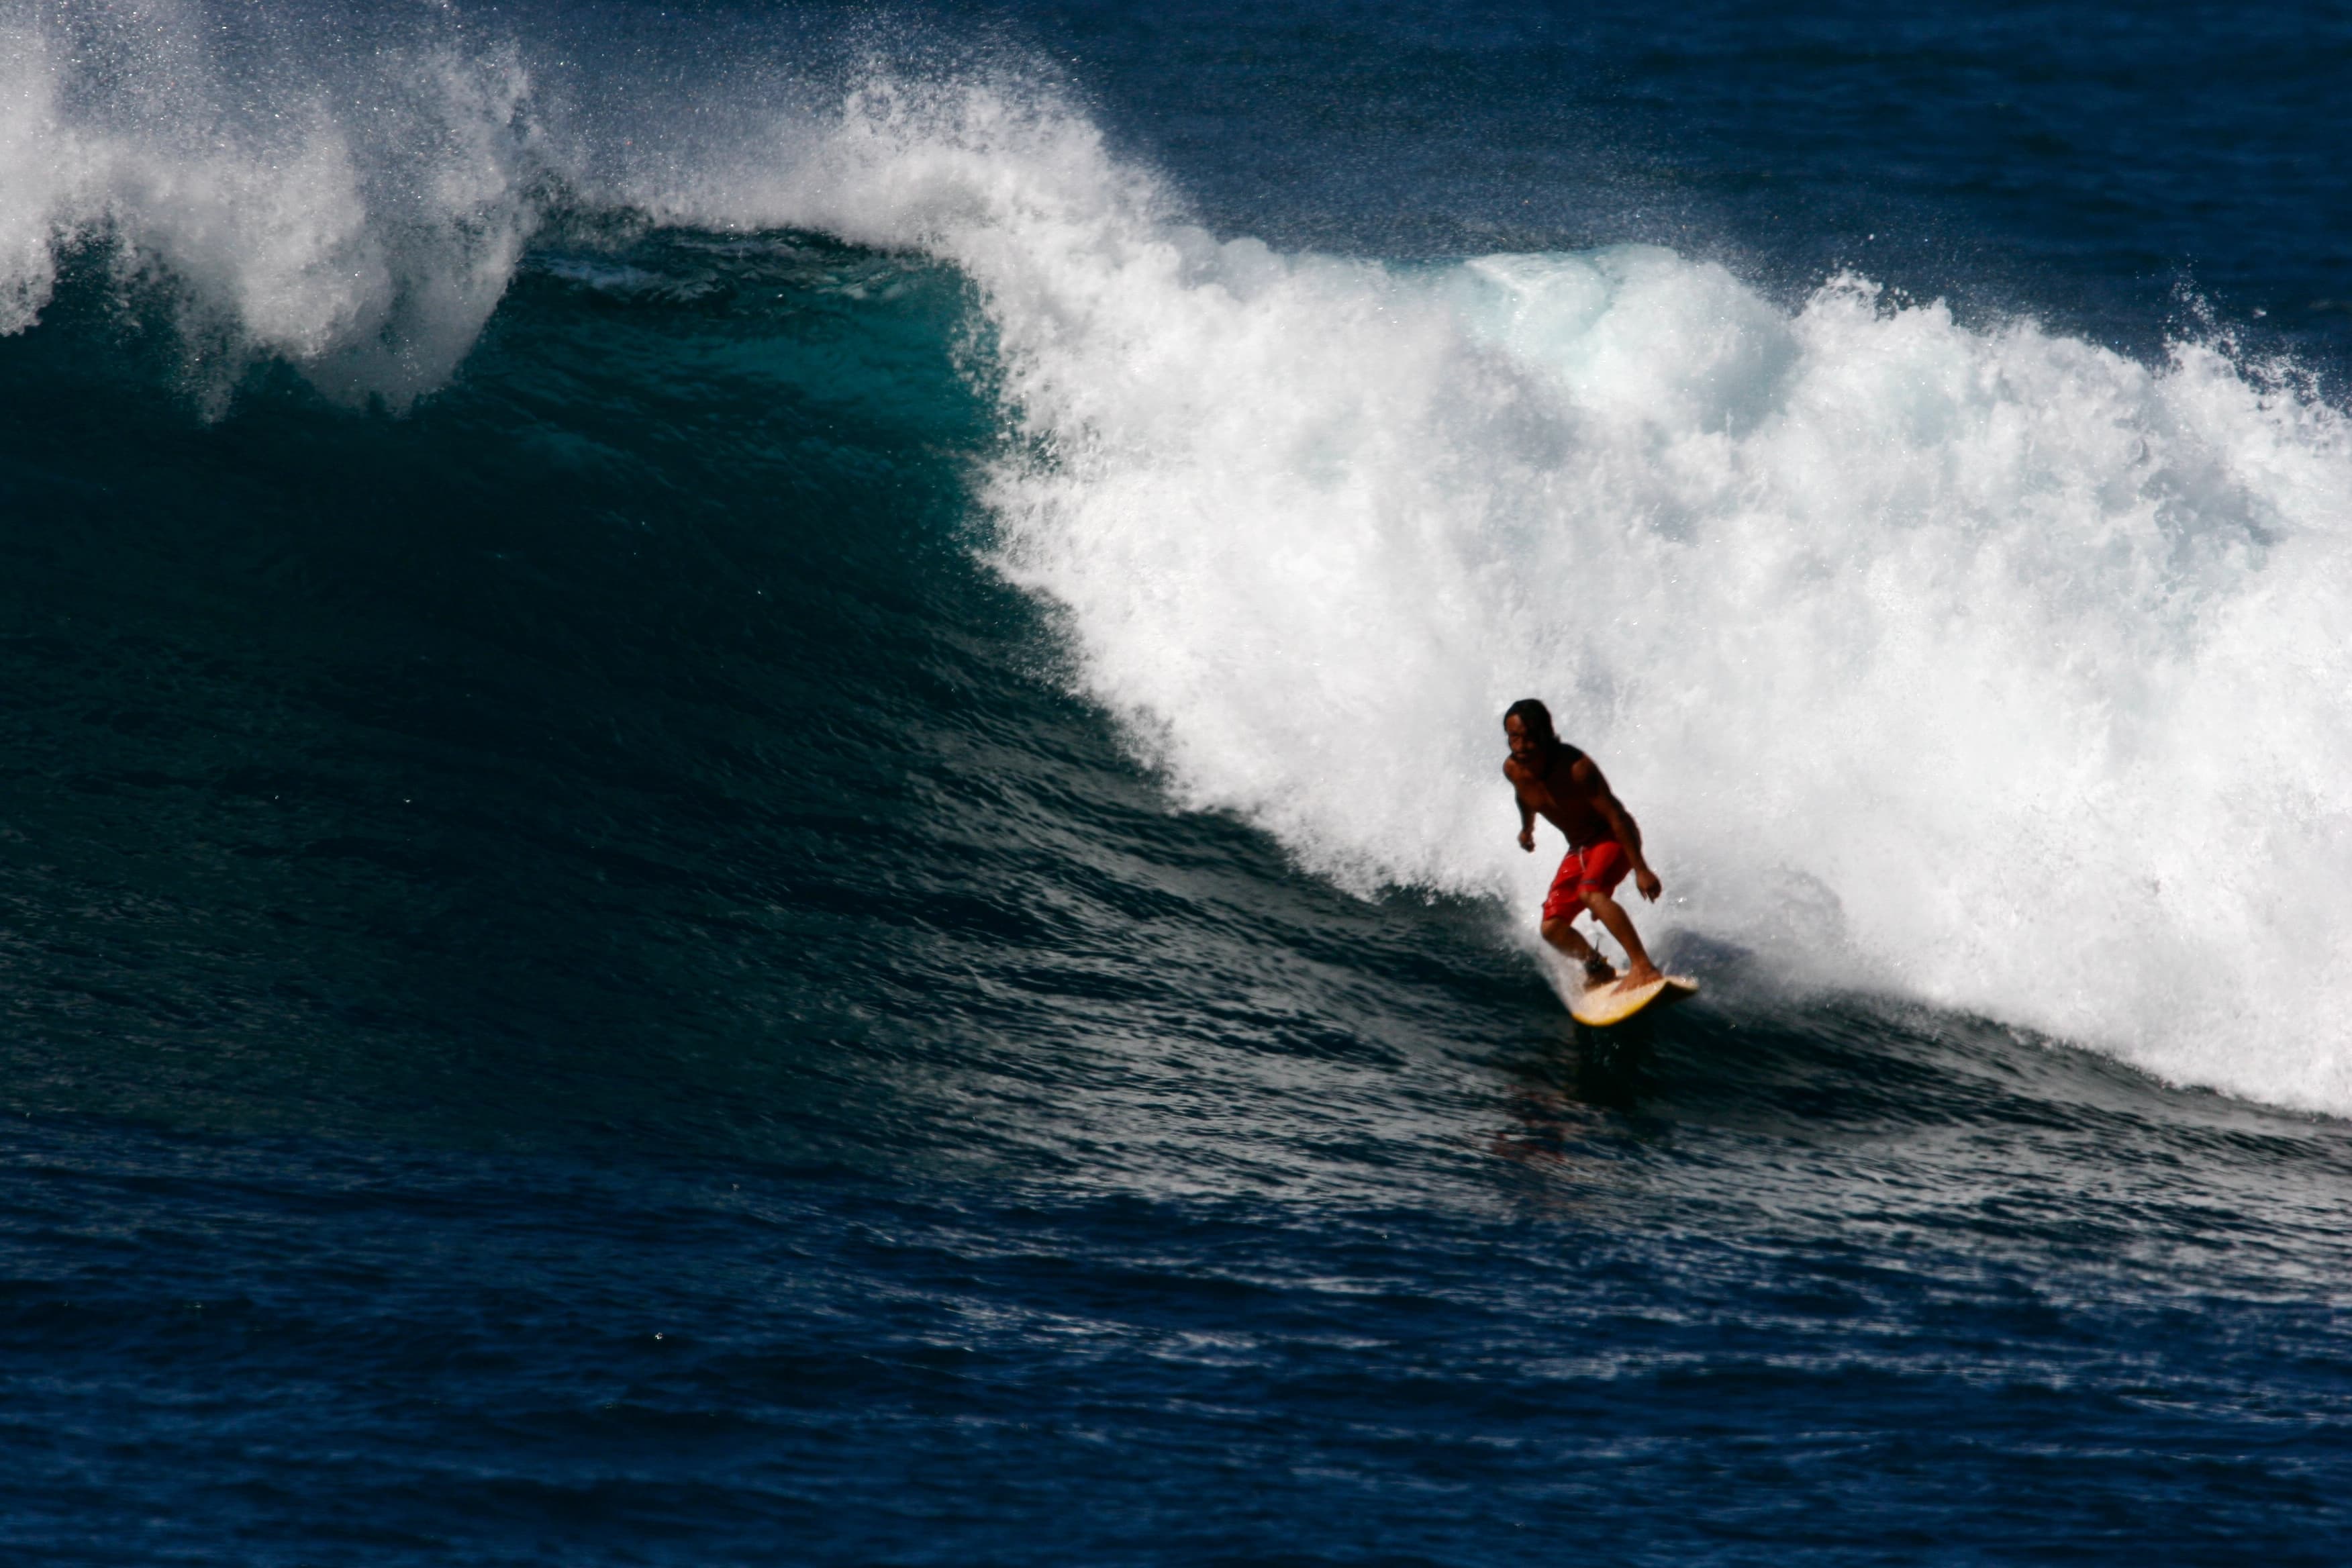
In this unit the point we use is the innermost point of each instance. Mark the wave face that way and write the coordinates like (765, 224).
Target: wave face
(1970, 662)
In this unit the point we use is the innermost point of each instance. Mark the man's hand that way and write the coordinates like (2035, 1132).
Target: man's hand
(1528, 839)
(1647, 880)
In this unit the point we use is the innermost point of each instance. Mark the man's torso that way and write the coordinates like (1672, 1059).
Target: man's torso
(1564, 802)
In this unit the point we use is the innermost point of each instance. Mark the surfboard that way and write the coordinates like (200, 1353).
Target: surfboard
(1601, 1006)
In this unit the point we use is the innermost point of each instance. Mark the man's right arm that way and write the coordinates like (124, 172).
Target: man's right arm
(1527, 814)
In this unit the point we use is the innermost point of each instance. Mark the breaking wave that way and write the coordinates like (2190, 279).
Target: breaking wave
(1963, 661)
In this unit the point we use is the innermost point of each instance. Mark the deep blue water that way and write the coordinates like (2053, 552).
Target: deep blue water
(588, 976)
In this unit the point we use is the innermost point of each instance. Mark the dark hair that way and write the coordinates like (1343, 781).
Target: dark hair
(1528, 711)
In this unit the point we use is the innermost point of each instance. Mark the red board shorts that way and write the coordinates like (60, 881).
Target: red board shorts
(1595, 869)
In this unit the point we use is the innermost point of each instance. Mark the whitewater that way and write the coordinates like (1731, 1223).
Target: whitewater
(1954, 659)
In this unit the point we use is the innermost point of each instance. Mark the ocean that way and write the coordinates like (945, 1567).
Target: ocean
(751, 803)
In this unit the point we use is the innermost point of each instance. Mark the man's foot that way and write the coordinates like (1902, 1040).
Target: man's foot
(1641, 975)
(1598, 971)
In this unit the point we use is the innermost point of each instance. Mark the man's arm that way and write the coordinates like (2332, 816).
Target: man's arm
(1526, 814)
(1627, 833)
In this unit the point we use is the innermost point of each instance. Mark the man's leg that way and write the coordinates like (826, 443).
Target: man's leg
(1639, 970)
(1564, 936)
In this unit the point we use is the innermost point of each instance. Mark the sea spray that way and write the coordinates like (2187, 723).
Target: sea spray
(356, 212)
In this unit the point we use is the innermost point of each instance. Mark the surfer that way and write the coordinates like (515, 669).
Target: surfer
(1553, 778)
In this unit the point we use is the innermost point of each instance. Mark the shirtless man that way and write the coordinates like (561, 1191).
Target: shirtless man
(1554, 778)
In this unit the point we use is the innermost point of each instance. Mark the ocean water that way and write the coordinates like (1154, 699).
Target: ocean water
(750, 803)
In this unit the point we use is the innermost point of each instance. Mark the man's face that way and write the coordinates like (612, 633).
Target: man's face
(1525, 747)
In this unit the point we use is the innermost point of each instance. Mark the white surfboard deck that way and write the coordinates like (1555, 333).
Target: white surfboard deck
(1601, 1006)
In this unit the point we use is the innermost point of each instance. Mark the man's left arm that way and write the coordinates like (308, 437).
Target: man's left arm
(1628, 833)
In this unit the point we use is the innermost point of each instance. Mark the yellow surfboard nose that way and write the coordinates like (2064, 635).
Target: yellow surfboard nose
(1601, 1006)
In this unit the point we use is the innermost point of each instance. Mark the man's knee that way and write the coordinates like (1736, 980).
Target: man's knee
(1599, 902)
(1559, 930)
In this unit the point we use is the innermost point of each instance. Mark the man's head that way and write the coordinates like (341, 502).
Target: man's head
(1528, 722)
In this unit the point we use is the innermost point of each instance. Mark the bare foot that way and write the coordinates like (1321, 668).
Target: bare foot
(1641, 975)
(1598, 973)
